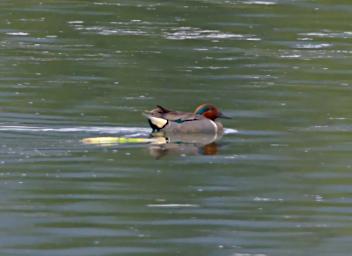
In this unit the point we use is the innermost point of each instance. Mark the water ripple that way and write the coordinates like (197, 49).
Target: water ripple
(185, 33)
(259, 2)
(344, 34)
(92, 129)
(313, 45)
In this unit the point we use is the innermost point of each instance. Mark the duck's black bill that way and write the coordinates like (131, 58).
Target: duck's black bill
(224, 116)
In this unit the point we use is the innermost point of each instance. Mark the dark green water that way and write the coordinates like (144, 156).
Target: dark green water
(281, 185)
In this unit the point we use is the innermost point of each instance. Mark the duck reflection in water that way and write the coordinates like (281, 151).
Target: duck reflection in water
(185, 132)
(184, 144)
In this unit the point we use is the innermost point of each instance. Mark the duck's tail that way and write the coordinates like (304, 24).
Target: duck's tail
(164, 110)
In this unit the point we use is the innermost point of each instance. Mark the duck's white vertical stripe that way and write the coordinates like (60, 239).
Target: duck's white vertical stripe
(215, 129)
(215, 126)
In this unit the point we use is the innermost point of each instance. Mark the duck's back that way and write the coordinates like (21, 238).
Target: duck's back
(176, 116)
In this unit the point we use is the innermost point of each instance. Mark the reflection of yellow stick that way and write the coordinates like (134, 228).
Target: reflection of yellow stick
(123, 140)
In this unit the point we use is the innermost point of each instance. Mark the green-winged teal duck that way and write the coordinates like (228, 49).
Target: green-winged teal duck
(202, 120)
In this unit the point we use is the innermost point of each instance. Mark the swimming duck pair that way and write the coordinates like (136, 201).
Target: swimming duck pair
(202, 120)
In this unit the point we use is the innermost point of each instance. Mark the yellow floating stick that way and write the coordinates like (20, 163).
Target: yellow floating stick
(122, 140)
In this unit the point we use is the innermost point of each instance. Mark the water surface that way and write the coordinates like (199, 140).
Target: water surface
(280, 185)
